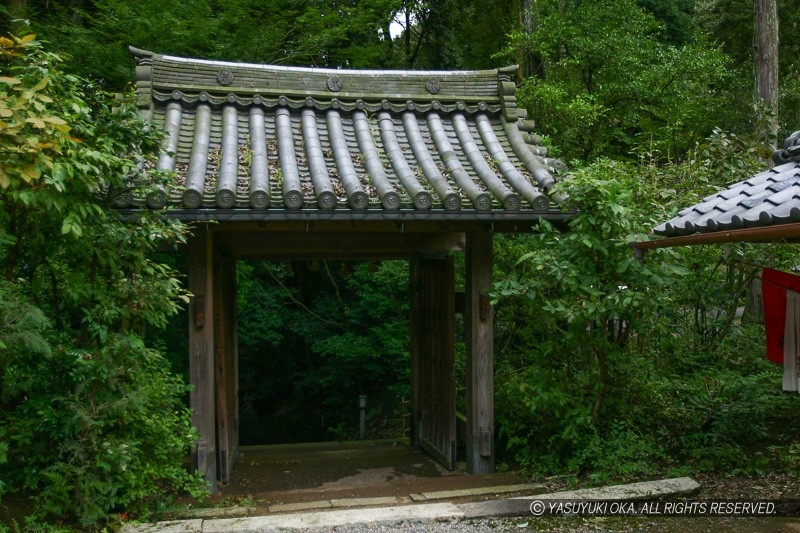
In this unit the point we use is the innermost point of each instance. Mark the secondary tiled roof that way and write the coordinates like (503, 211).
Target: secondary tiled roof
(769, 198)
(271, 140)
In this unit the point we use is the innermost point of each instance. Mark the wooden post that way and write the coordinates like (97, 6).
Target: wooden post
(415, 313)
(225, 363)
(233, 320)
(480, 355)
(201, 352)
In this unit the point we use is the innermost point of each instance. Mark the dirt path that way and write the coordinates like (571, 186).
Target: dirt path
(279, 475)
(283, 474)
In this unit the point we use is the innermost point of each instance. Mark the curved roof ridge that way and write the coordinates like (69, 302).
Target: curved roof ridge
(188, 78)
(330, 70)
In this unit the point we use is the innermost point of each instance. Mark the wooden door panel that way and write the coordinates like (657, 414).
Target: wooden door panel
(433, 321)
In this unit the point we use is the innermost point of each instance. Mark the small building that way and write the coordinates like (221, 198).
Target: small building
(308, 164)
(763, 208)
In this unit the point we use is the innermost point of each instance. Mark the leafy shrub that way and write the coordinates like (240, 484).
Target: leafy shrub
(616, 368)
(585, 299)
(91, 432)
(611, 85)
(622, 452)
(91, 419)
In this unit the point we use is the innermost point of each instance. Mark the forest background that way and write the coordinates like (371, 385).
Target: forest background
(607, 368)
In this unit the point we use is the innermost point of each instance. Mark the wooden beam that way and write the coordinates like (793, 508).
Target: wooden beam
(294, 246)
(480, 354)
(778, 232)
(408, 221)
(201, 352)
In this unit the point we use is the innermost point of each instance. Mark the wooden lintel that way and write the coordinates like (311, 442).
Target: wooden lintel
(268, 245)
(374, 226)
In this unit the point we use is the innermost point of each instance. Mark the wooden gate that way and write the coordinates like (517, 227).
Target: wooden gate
(433, 358)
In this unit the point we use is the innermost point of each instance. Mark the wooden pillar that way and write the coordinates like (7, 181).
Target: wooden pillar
(480, 354)
(415, 317)
(234, 378)
(201, 352)
(225, 363)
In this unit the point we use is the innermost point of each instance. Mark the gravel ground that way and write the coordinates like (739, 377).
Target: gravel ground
(586, 525)
(772, 487)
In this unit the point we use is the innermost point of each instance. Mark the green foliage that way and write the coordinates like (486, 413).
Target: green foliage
(731, 23)
(312, 338)
(31, 134)
(588, 296)
(612, 85)
(95, 432)
(84, 266)
(675, 18)
(618, 368)
(717, 278)
(22, 325)
(341, 33)
(91, 420)
(790, 100)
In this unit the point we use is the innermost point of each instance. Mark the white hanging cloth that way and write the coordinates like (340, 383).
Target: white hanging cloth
(791, 343)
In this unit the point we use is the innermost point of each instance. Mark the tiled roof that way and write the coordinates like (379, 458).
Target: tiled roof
(769, 198)
(271, 140)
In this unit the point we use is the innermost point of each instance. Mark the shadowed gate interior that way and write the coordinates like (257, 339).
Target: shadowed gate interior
(292, 163)
(214, 250)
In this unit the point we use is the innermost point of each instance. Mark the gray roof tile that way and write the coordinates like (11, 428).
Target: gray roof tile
(728, 193)
(268, 139)
(701, 208)
(762, 177)
(787, 212)
(767, 198)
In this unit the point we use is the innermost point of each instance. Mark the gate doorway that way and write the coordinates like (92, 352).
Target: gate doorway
(328, 333)
(214, 344)
(314, 336)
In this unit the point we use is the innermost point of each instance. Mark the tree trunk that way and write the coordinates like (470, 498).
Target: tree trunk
(16, 15)
(766, 69)
(17, 7)
(407, 10)
(530, 63)
(602, 383)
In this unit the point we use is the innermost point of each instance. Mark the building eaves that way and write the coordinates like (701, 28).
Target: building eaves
(257, 141)
(765, 207)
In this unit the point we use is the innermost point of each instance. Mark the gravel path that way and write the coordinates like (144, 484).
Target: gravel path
(771, 487)
(588, 525)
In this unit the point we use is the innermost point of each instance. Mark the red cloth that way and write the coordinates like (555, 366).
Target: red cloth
(774, 285)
